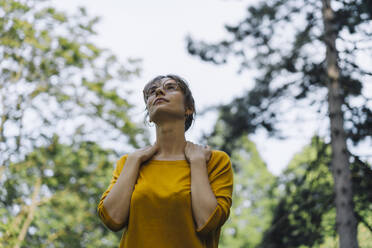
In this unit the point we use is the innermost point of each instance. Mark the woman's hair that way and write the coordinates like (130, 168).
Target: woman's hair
(189, 99)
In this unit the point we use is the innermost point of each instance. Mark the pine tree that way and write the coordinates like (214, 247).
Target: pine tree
(305, 213)
(294, 49)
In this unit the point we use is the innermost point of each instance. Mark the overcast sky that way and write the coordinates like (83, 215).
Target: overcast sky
(155, 31)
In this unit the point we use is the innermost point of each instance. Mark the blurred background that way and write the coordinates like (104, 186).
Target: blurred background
(284, 87)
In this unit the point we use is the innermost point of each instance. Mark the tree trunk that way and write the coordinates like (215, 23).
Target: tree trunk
(346, 222)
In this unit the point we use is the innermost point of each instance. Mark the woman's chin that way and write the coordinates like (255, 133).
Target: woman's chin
(167, 116)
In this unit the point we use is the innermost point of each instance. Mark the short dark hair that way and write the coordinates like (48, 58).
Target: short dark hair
(189, 99)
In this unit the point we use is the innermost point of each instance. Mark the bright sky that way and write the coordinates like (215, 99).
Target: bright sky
(155, 31)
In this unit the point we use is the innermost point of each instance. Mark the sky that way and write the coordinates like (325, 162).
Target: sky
(155, 32)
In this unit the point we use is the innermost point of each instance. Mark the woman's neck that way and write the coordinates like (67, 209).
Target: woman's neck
(171, 140)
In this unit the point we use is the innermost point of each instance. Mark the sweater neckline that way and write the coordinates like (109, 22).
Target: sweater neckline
(184, 161)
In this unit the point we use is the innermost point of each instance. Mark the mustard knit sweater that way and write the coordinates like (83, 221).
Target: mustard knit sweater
(160, 212)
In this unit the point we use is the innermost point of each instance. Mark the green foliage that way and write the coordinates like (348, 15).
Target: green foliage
(250, 213)
(61, 98)
(71, 182)
(285, 41)
(251, 203)
(306, 196)
(305, 214)
(290, 43)
(54, 79)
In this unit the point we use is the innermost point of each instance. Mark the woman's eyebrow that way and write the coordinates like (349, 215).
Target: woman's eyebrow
(164, 83)
(154, 85)
(168, 79)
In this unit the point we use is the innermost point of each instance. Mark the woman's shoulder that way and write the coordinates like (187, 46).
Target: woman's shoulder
(120, 163)
(219, 158)
(219, 164)
(218, 154)
(123, 157)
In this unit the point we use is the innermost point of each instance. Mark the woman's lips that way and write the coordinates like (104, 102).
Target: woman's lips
(160, 100)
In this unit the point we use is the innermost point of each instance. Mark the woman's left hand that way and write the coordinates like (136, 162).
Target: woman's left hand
(195, 152)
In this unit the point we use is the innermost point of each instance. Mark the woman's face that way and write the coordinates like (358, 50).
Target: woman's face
(172, 105)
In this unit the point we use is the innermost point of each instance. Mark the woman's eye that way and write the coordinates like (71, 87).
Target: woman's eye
(171, 87)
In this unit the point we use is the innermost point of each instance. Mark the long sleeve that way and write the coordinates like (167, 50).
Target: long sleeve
(221, 179)
(102, 213)
(160, 208)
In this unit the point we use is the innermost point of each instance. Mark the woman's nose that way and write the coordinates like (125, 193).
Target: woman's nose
(158, 90)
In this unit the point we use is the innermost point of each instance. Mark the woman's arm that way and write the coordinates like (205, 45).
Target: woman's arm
(203, 200)
(117, 202)
(211, 187)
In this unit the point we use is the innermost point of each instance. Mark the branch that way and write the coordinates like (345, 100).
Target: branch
(20, 121)
(2, 168)
(26, 209)
(17, 220)
(4, 118)
(30, 215)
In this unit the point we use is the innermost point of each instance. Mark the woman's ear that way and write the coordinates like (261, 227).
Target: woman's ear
(189, 112)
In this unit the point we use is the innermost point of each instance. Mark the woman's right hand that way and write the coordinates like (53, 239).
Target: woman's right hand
(145, 153)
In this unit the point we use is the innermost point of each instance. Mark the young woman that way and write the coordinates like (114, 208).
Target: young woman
(174, 193)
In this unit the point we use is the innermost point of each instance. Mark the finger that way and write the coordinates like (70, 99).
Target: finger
(155, 147)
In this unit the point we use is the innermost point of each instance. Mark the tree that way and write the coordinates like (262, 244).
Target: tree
(51, 197)
(60, 94)
(304, 216)
(53, 78)
(294, 48)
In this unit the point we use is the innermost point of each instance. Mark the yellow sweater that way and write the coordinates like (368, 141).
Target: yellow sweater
(160, 212)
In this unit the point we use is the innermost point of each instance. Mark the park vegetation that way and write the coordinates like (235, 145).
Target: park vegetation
(61, 95)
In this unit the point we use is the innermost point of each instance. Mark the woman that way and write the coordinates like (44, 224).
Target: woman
(174, 193)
